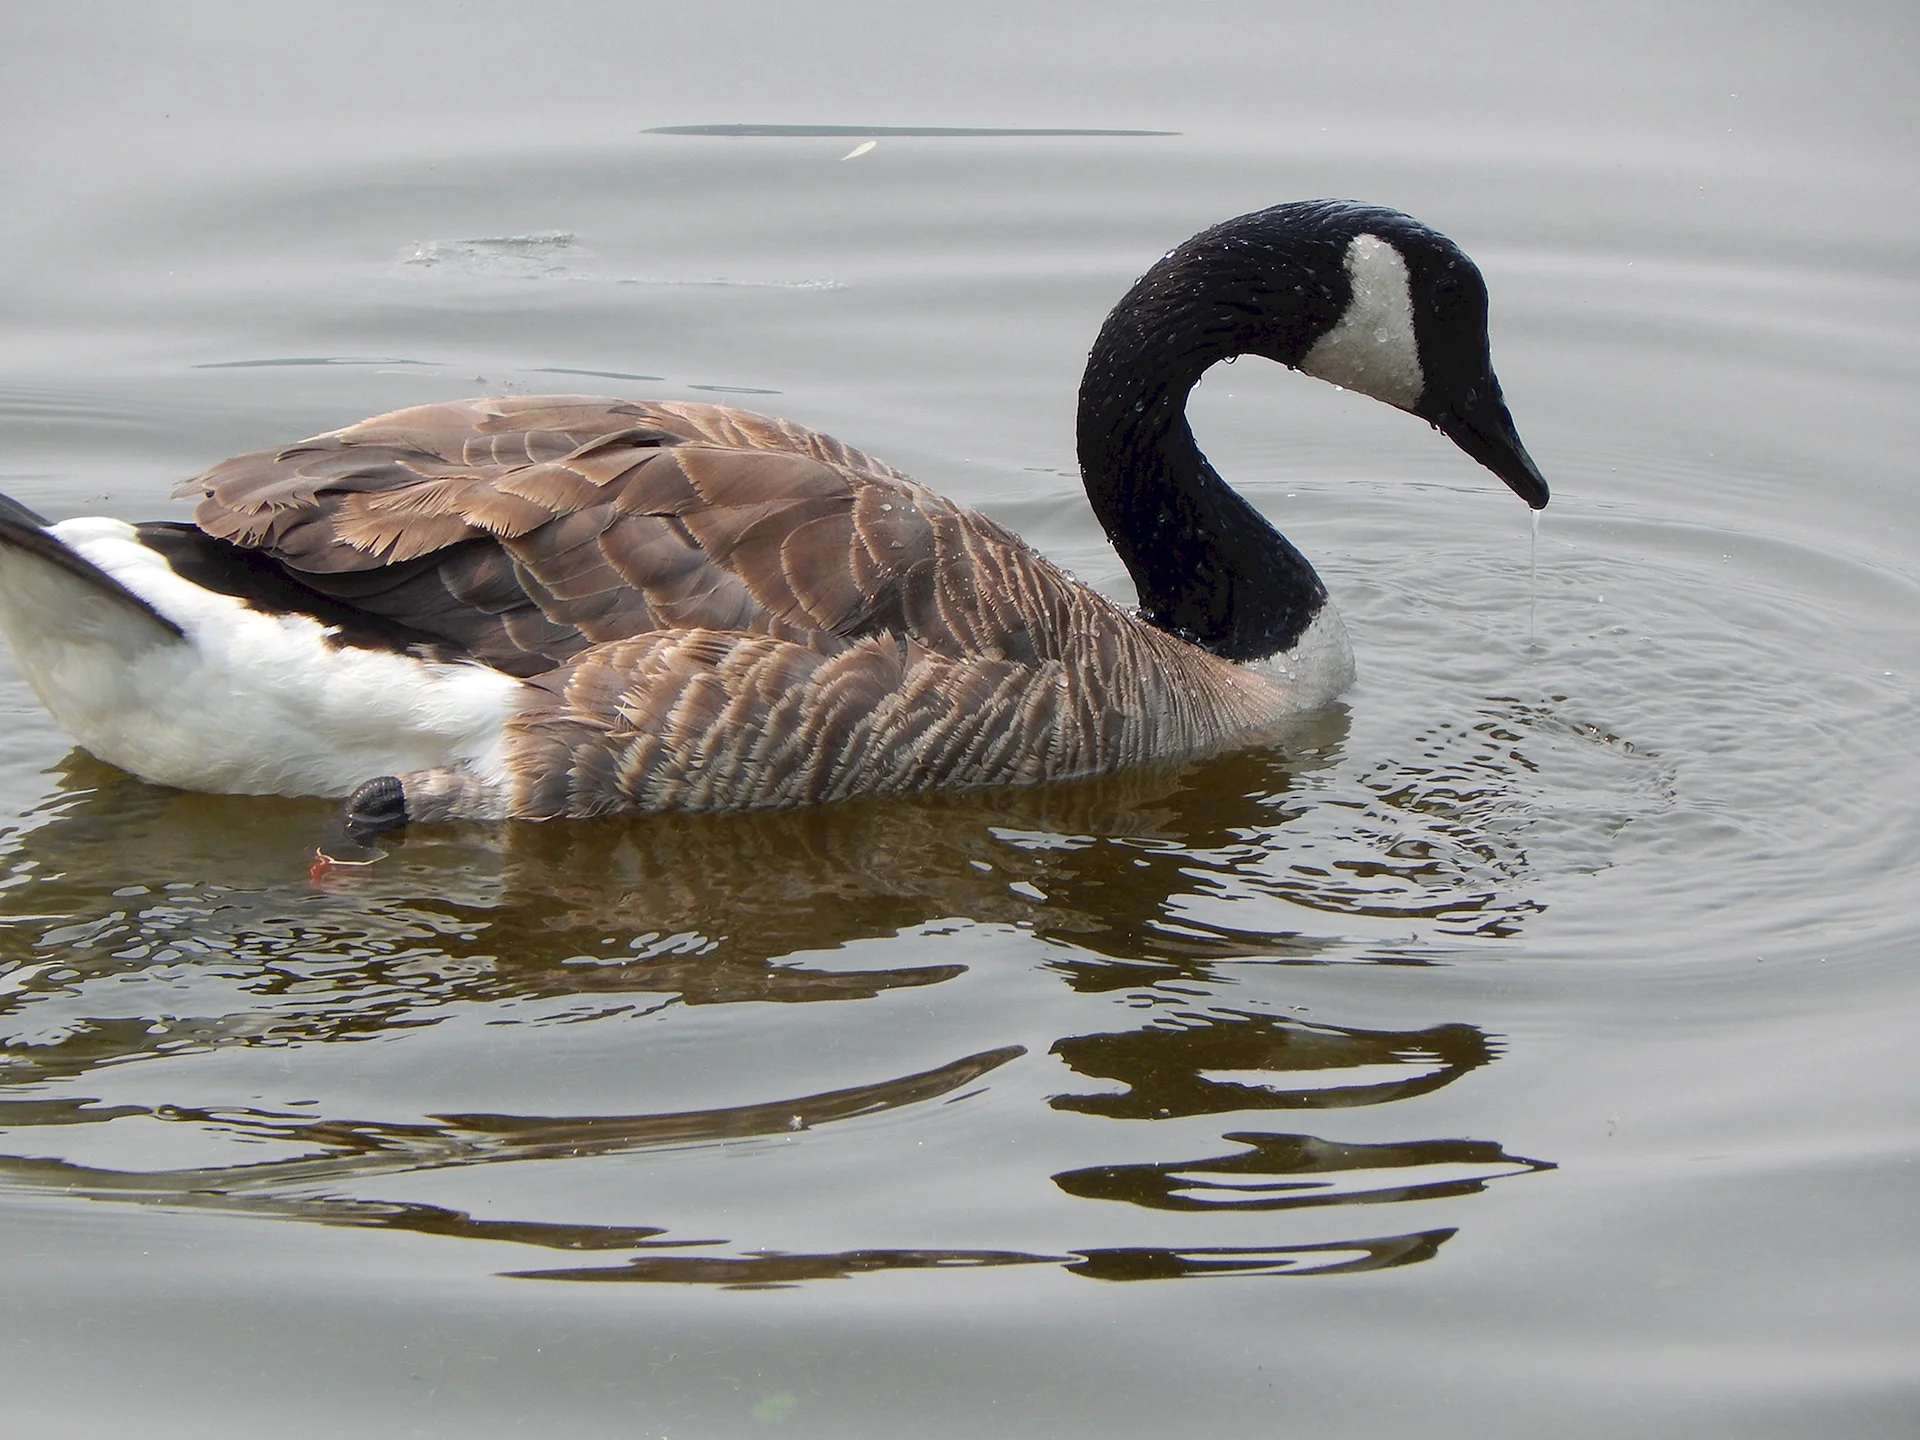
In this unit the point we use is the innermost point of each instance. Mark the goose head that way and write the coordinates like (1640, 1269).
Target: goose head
(1361, 296)
(1412, 332)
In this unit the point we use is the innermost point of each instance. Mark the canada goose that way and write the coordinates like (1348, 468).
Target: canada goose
(566, 605)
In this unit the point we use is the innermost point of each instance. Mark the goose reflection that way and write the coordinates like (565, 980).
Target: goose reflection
(1228, 1063)
(1217, 1063)
(1136, 875)
(337, 1154)
(695, 905)
(1135, 885)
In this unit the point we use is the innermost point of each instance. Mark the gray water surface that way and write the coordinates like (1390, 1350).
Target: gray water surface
(1522, 1047)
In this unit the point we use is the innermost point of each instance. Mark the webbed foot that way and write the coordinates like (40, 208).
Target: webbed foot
(372, 809)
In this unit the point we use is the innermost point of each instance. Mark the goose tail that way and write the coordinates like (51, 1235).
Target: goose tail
(52, 596)
(76, 632)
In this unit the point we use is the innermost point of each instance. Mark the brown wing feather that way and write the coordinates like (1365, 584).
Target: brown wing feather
(526, 529)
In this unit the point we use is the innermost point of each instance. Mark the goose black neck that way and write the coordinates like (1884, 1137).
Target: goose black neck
(1207, 565)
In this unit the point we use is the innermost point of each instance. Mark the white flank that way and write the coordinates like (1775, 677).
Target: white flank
(1318, 667)
(247, 703)
(1372, 349)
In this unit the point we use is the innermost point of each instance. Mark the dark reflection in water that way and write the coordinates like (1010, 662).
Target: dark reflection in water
(1284, 1172)
(344, 1150)
(1210, 1064)
(142, 925)
(1131, 873)
(1181, 1065)
(1126, 1263)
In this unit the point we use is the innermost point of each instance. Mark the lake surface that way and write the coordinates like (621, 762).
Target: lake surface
(1525, 1046)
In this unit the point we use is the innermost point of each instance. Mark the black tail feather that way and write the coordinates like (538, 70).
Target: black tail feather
(22, 530)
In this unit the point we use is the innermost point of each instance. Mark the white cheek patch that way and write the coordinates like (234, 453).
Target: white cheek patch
(1372, 348)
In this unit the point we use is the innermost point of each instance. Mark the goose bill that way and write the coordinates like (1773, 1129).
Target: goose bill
(1484, 429)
